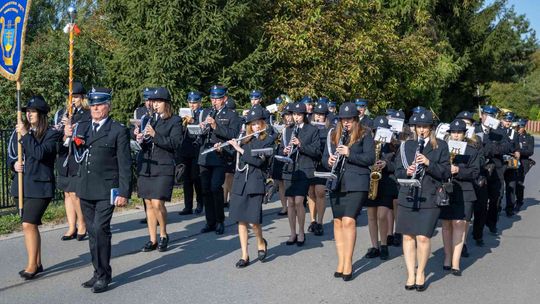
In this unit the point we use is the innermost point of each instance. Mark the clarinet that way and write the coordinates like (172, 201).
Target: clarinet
(207, 132)
(333, 184)
(413, 191)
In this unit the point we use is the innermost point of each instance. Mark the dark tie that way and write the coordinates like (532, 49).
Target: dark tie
(95, 125)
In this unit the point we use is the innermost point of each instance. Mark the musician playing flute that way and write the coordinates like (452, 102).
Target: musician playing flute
(354, 146)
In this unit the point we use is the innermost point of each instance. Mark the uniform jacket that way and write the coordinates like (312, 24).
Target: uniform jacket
(252, 181)
(108, 163)
(71, 167)
(190, 145)
(469, 170)
(306, 156)
(228, 127)
(436, 173)
(355, 173)
(39, 156)
(157, 156)
(495, 144)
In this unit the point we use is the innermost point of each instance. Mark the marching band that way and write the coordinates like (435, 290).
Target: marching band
(408, 174)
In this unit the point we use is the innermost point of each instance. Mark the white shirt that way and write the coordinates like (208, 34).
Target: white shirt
(101, 123)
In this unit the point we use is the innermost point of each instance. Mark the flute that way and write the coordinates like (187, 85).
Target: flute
(225, 144)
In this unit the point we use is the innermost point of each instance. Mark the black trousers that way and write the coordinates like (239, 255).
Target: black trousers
(520, 184)
(212, 179)
(510, 181)
(192, 181)
(97, 215)
(480, 212)
(495, 193)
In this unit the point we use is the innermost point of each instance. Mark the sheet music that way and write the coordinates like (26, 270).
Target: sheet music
(457, 147)
(383, 135)
(492, 122)
(194, 129)
(185, 112)
(396, 124)
(273, 108)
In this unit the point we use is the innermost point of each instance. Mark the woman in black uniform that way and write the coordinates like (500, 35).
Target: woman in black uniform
(379, 208)
(317, 189)
(156, 165)
(67, 169)
(277, 166)
(348, 192)
(426, 159)
(457, 216)
(39, 152)
(301, 143)
(248, 188)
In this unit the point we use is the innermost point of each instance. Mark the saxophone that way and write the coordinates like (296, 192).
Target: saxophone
(375, 175)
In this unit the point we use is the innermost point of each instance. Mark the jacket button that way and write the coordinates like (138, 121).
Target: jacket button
(88, 172)
(89, 163)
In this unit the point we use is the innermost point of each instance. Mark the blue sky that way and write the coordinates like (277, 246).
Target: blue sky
(531, 8)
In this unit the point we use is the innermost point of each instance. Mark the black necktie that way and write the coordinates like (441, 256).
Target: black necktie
(95, 125)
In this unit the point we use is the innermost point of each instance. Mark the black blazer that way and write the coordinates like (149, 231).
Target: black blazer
(228, 127)
(469, 170)
(72, 167)
(355, 173)
(157, 155)
(495, 144)
(306, 156)
(252, 181)
(436, 173)
(39, 156)
(108, 164)
(526, 148)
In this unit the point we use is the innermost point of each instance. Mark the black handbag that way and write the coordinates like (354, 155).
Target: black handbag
(442, 196)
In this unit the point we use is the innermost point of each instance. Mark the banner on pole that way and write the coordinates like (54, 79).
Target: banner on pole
(13, 17)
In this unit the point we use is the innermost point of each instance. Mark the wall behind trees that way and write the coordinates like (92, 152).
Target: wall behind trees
(397, 53)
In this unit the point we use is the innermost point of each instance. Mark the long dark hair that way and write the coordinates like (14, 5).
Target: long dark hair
(355, 135)
(42, 125)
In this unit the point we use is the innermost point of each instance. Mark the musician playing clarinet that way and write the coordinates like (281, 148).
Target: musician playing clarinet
(348, 154)
(301, 144)
(427, 160)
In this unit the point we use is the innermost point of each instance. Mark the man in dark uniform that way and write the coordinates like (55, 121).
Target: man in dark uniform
(147, 107)
(510, 174)
(220, 124)
(361, 106)
(495, 144)
(526, 149)
(105, 169)
(189, 155)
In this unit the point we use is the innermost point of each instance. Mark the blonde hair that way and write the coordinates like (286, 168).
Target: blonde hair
(249, 130)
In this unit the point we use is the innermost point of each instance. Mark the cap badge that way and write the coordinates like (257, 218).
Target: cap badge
(252, 112)
(347, 108)
(423, 116)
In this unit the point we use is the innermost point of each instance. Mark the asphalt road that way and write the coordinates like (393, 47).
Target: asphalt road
(199, 268)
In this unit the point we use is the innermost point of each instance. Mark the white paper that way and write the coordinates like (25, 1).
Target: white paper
(273, 108)
(383, 135)
(492, 122)
(408, 182)
(442, 130)
(185, 112)
(396, 124)
(327, 175)
(264, 151)
(457, 147)
(194, 129)
(470, 132)
(135, 122)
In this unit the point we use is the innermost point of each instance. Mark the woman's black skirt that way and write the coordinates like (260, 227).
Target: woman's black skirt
(384, 201)
(246, 208)
(463, 211)
(67, 183)
(299, 187)
(417, 222)
(347, 204)
(33, 209)
(155, 187)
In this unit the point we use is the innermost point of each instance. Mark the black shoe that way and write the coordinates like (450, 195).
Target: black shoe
(518, 207)
(207, 229)
(198, 210)
(372, 253)
(220, 228)
(456, 272)
(289, 243)
(421, 288)
(346, 277)
(338, 274)
(510, 213)
(226, 205)
(81, 237)
(242, 263)
(185, 212)
(493, 229)
(282, 213)
(397, 239)
(28, 275)
(143, 221)
(38, 270)
(312, 226)
(479, 243)
(444, 267)
(163, 243)
(69, 237)
(319, 230)
(410, 287)
(90, 283)
(464, 251)
(100, 286)
(149, 246)
(300, 244)
(390, 240)
(261, 254)
(384, 252)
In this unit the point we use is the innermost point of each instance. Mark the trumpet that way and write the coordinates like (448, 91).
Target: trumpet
(225, 144)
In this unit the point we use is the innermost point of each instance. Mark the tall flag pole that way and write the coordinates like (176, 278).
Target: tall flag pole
(13, 18)
(72, 27)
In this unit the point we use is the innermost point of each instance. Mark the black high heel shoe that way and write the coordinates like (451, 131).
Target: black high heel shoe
(346, 277)
(338, 274)
(289, 243)
(300, 244)
(81, 237)
(262, 253)
(69, 237)
(242, 263)
(410, 287)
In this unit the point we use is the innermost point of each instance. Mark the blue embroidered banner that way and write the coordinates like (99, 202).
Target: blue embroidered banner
(13, 17)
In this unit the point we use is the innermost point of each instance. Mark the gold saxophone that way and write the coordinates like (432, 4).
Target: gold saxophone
(375, 175)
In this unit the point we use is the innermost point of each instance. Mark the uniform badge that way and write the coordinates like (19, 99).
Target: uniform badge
(423, 116)
(346, 108)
